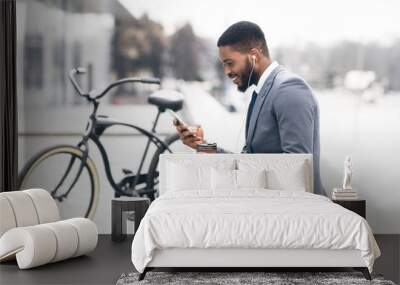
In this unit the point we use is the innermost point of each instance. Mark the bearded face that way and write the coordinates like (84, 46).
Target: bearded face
(247, 77)
(238, 67)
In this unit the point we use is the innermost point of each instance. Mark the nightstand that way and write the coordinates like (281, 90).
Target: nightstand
(124, 210)
(357, 206)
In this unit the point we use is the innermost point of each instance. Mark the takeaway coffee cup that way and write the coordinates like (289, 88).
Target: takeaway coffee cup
(206, 148)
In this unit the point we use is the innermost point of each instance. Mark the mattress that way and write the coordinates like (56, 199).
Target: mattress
(250, 219)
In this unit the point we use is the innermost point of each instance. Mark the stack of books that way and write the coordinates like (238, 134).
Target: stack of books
(344, 194)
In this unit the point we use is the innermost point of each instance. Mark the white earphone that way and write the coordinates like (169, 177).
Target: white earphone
(253, 57)
(252, 69)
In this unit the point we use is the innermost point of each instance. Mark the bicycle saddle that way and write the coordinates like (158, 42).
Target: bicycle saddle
(167, 99)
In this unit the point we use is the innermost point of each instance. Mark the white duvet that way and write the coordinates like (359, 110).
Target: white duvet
(250, 219)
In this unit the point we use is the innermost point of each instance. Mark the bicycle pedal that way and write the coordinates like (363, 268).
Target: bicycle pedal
(126, 171)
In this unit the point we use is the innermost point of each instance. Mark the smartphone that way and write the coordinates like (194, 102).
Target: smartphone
(177, 117)
(180, 121)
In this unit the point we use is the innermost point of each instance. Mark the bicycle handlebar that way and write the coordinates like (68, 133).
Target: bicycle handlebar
(72, 73)
(127, 80)
(80, 71)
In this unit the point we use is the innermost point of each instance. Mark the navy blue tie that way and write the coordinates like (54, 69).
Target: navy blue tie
(250, 110)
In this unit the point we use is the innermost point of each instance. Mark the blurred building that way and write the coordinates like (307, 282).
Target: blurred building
(56, 36)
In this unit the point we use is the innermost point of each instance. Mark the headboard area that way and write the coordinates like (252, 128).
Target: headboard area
(284, 171)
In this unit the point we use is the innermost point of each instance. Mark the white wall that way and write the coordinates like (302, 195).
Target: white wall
(370, 133)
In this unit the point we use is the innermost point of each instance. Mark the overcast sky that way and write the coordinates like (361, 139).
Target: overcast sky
(283, 21)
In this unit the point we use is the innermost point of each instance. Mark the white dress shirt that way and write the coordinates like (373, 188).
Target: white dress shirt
(265, 75)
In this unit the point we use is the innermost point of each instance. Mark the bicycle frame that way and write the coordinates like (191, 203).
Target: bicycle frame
(95, 129)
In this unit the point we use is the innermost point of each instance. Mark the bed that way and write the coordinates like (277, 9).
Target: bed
(247, 210)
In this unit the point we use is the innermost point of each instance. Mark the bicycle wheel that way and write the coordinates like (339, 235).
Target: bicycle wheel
(175, 145)
(72, 181)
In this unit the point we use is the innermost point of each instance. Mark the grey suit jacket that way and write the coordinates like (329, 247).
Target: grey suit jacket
(285, 119)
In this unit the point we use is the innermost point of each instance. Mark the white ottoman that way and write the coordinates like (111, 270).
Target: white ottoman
(31, 232)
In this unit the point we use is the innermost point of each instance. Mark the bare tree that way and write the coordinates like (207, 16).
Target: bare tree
(184, 54)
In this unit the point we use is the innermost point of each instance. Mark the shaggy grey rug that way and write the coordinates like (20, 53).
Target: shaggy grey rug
(242, 278)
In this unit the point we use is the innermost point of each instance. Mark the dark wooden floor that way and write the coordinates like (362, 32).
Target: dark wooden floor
(389, 262)
(110, 260)
(102, 266)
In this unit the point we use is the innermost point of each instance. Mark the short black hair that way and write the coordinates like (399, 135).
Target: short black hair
(243, 36)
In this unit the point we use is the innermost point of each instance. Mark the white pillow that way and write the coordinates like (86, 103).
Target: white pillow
(251, 178)
(292, 178)
(282, 174)
(223, 179)
(194, 174)
(181, 177)
(226, 179)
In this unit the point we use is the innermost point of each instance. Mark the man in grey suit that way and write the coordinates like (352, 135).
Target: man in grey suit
(283, 114)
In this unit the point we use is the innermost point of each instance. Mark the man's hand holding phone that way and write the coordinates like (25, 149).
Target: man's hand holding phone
(190, 135)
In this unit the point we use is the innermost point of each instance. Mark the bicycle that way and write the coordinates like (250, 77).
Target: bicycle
(66, 184)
